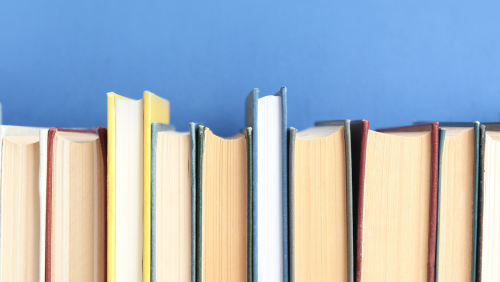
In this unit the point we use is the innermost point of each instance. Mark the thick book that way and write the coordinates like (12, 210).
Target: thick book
(173, 203)
(268, 118)
(75, 205)
(457, 198)
(224, 211)
(320, 203)
(20, 226)
(396, 191)
(129, 184)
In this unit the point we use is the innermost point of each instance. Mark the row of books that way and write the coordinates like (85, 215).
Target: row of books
(335, 202)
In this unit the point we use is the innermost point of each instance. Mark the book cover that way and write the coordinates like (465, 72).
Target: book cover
(250, 237)
(251, 121)
(103, 139)
(199, 190)
(359, 137)
(193, 131)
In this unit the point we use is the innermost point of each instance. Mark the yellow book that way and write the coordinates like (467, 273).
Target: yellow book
(156, 109)
(129, 184)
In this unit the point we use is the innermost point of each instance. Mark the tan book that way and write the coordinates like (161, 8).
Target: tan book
(173, 184)
(20, 213)
(489, 204)
(320, 205)
(76, 206)
(397, 202)
(224, 217)
(457, 216)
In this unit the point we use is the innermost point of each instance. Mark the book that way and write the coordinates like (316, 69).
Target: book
(461, 166)
(397, 201)
(19, 204)
(488, 249)
(320, 204)
(268, 118)
(129, 184)
(156, 109)
(173, 203)
(457, 198)
(76, 206)
(224, 215)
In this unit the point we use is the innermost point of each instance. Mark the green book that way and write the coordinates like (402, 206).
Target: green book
(224, 210)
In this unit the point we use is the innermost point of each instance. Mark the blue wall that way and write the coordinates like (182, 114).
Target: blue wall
(386, 61)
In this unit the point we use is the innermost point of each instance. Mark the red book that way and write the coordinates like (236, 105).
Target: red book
(78, 141)
(396, 194)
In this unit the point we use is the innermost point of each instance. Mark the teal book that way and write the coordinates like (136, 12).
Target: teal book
(173, 203)
(224, 209)
(326, 147)
(488, 249)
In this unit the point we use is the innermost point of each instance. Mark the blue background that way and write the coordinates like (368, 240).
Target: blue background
(390, 62)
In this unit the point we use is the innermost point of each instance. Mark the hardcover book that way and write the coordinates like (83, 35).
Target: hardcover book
(224, 215)
(488, 249)
(173, 203)
(467, 185)
(397, 171)
(76, 206)
(320, 203)
(129, 184)
(268, 118)
(457, 198)
(19, 204)
(156, 109)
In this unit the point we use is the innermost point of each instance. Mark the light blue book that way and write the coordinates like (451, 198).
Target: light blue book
(156, 230)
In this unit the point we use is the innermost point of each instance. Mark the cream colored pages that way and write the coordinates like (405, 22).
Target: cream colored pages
(6, 130)
(129, 190)
(224, 209)
(78, 209)
(173, 206)
(490, 268)
(456, 206)
(320, 222)
(396, 208)
(20, 209)
(42, 190)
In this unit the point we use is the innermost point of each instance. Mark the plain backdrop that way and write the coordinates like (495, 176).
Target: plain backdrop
(390, 62)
